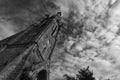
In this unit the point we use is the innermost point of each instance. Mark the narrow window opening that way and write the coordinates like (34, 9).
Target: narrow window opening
(53, 32)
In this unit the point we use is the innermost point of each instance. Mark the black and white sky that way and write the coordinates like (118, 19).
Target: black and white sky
(16, 15)
(98, 46)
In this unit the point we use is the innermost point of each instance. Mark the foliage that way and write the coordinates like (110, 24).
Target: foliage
(83, 74)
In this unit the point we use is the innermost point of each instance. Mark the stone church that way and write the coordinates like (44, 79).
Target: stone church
(27, 54)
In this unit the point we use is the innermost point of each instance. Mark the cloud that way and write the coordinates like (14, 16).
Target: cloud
(6, 29)
(98, 46)
(21, 13)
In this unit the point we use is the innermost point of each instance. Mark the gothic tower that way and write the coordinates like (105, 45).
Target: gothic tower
(27, 54)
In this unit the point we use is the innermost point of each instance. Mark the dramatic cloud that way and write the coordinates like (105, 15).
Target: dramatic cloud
(94, 22)
(21, 13)
(99, 44)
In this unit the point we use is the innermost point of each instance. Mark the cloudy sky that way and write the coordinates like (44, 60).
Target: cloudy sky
(95, 24)
(16, 15)
(99, 44)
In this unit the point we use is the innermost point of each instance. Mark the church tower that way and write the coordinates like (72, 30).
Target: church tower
(27, 54)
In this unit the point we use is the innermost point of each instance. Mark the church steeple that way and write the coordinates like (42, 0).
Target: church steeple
(29, 51)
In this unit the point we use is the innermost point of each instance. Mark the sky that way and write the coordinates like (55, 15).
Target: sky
(98, 45)
(16, 15)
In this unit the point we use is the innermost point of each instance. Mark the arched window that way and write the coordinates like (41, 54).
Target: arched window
(42, 75)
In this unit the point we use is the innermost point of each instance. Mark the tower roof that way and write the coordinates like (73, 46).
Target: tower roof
(16, 49)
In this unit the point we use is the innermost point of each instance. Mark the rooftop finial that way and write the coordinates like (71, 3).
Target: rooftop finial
(59, 13)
